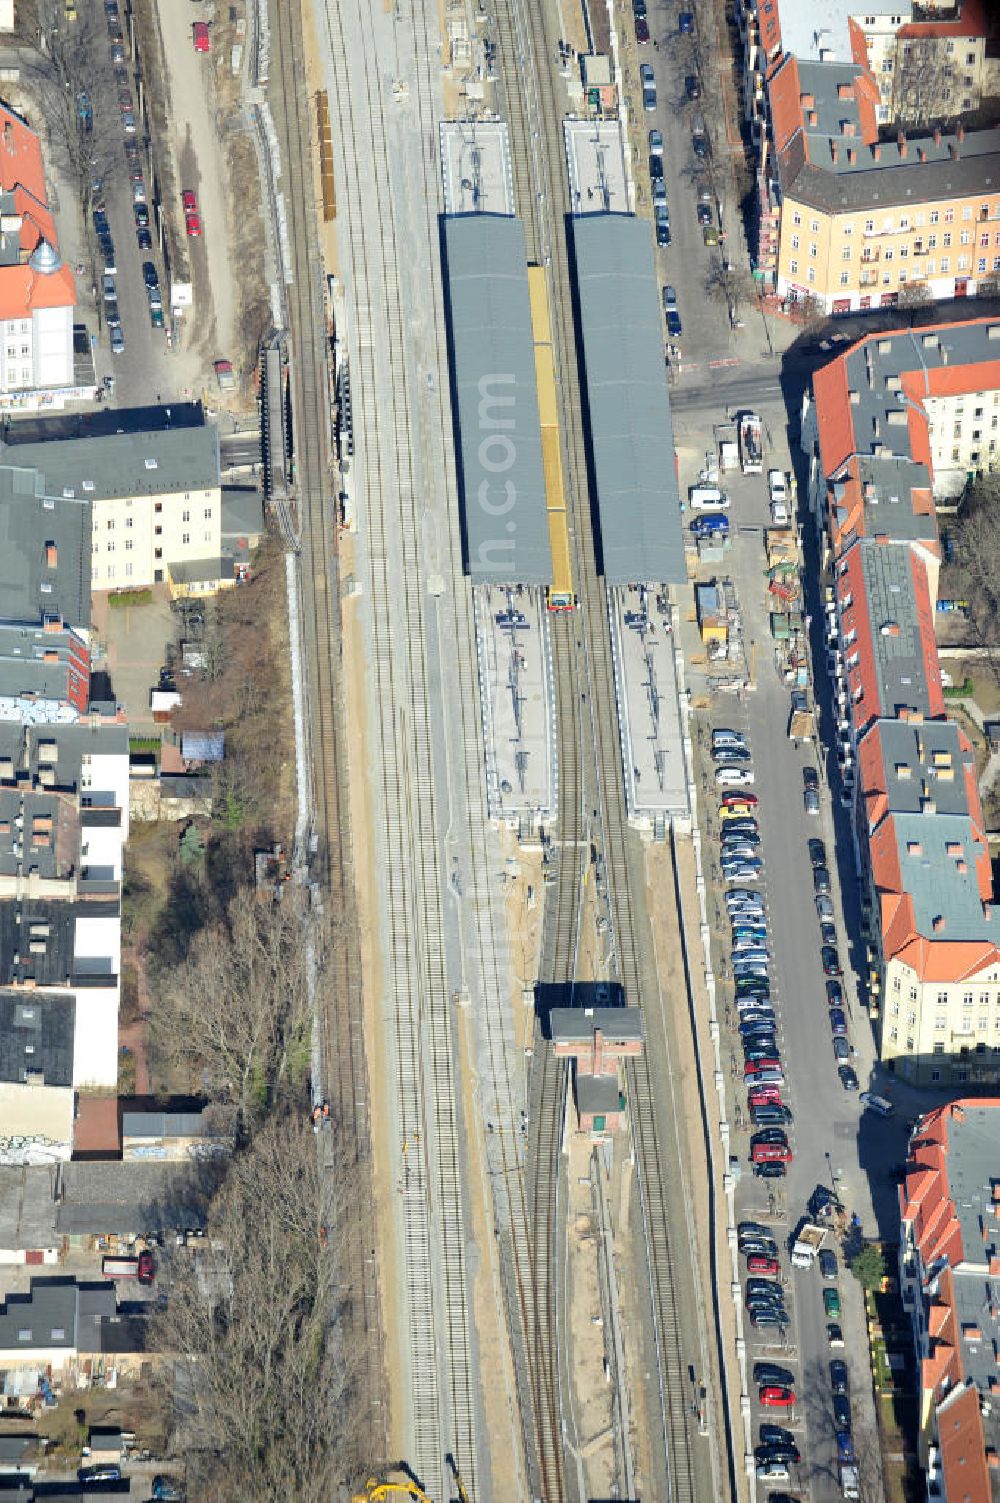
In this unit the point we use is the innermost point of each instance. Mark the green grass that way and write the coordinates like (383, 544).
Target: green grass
(130, 597)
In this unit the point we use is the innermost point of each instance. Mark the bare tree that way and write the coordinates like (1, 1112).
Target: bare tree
(233, 1017)
(926, 84)
(975, 571)
(72, 80)
(915, 296)
(261, 1374)
(730, 284)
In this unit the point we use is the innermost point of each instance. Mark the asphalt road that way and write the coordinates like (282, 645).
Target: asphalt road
(831, 1136)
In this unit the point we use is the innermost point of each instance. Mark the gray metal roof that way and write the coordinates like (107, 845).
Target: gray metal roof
(152, 462)
(26, 662)
(136, 1196)
(891, 597)
(576, 1025)
(31, 518)
(892, 179)
(242, 512)
(931, 850)
(913, 759)
(598, 1093)
(631, 434)
(499, 443)
(36, 1037)
(167, 1124)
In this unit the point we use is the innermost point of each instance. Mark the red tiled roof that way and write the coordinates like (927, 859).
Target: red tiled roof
(22, 290)
(963, 1447)
(971, 23)
(20, 156)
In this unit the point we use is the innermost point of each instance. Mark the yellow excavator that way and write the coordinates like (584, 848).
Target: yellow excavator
(397, 1484)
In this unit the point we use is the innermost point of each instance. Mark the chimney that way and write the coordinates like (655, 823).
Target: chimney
(598, 1058)
(51, 556)
(921, 154)
(937, 135)
(845, 91)
(877, 152)
(813, 117)
(901, 143)
(960, 132)
(807, 101)
(938, 925)
(833, 150)
(847, 127)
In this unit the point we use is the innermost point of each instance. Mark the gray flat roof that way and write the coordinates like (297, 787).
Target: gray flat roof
(498, 437)
(598, 1093)
(942, 884)
(631, 433)
(575, 1025)
(36, 1038)
(151, 462)
(806, 29)
(35, 582)
(891, 596)
(913, 761)
(896, 178)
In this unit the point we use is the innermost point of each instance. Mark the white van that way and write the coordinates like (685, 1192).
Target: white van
(875, 1103)
(707, 498)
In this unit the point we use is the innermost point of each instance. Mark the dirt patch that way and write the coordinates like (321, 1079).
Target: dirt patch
(591, 1392)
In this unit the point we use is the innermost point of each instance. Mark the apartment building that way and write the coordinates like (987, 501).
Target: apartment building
(949, 1279)
(872, 429)
(927, 70)
(151, 482)
(844, 218)
(37, 291)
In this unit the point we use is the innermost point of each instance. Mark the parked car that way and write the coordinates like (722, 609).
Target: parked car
(810, 801)
(656, 141)
(834, 993)
(810, 778)
(838, 1023)
(842, 1411)
(776, 1396)
(817, 852)
(828, 1263)
(150, 275)
(877, 1104)
(662, 220)
(200, 37)
(840, 1378)
(141, 212)
(771, 1169)
(730, 775)
(655, 167)
(692, 86)
(841, 1050)
(757, 1263)
(674, 327)
(167, 1490)
(771, 1373)
(103, 1471)
(117, 340)
(144, 239)
(831, 1303)
(831, 961)
(641, 30)
(192, 219)
(821, 879)
(848, 1078)
(834, 1337)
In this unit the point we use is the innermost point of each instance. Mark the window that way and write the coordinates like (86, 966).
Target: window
(845, 254)
(902, 275)
(111, 524)
(894, 1034)
(949, 216)
(940, 1024)
(812, 249)
(965, 238)
(919, 221)
(996, 263)
(946, 239)
(942, 999)
(932, 242)
(185, 538)
(970, 59)
(888, 253)
(981, 264)
(869, 226)
(962, 264)
(128, 571)
(945, 265)
(111, 546)
(936, 1074)
(157, 505)
(955, 454)
(793, 267)
(934, 216)
(845, 279)
(812, 274)
(913, 993)
(849, 230)
(208, 536)
(984, 999)
(796, 219)
(966, 211)
(896, 984)
(208, 514)
(930, 267)
(984, 241)
(185, 516)
(966, 999)
(128, 545)
(157, 552)
(911, 1018)
(814, 226)
(904, 251)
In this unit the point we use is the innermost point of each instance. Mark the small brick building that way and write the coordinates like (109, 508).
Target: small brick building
(596, 1038)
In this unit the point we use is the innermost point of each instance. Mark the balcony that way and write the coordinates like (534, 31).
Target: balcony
(869, 255)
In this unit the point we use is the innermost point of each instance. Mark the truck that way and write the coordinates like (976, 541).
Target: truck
(808, 1240)
(140, 1267)
(751, 454)
(850, 1481)
(729, 457)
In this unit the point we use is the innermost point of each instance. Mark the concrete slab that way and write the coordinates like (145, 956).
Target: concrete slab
(476, 168)
(132, 640)
(649, 711)
(515, 688)
(595, 155)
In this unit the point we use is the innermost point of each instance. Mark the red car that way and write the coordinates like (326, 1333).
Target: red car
(771, 1153)
(769, 1267)
(773, 1397)
(199, 31)
(741, 798)
(189, 202)
(192, 224)
(764, 1095)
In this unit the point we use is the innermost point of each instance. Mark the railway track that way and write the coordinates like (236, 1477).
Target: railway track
(534, 110)
(342, 1017)
(397, 460)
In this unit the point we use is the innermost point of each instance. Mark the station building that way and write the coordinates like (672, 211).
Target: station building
(898, 420)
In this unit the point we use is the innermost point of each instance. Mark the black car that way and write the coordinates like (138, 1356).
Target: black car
(674, 323)
(770, 1170)
(704, 214)
(692, 86)
(840, 1378)
(655, 168)
(810, 778)
(638, 7)
(770, 1135)
(776, 1435)
(101, 225)
(150, 275)
(834, 994)
(828, 934)
(662, 232)
(770, 1114)
(842, 1411)
(778, 1452)
(831, 961)
(770, 1375)
(821, 879)
(141, 212)
(848, 1078)
(817, 853)
(143, 239)
(641, 30)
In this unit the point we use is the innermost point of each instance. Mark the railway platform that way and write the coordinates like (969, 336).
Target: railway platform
(515, 686)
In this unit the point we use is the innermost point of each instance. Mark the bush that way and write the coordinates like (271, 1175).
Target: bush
(964, 690)
(130, 597)
(145, 744)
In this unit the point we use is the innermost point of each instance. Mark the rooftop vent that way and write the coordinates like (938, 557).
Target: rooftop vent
(938, 923)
